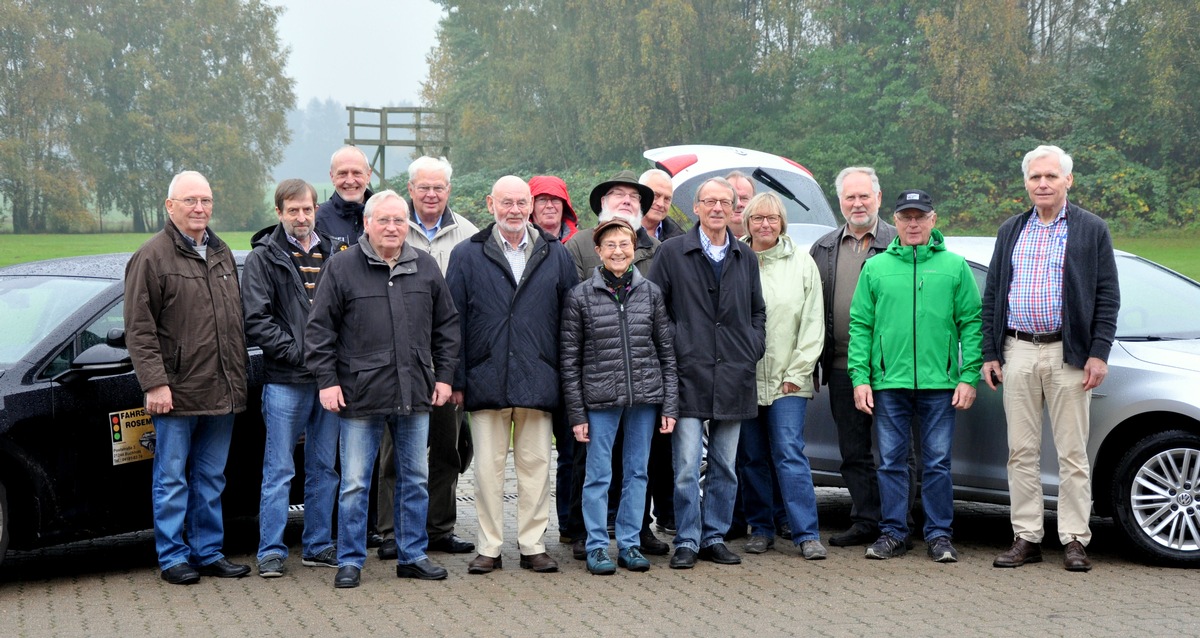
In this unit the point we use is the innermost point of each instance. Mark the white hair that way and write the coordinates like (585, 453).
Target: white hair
(181, 175)
(427, 163)
(653, 173)
(333, 158)
(381, 197)
(1064, 161)
(850, 170)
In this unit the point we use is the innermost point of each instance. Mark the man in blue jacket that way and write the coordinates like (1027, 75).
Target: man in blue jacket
(915, 312)
(508, 282)
(279, 281)
(383, 343)
(341, 216)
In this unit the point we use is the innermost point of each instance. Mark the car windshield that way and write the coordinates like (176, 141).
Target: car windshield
(1156, 303)
(33, 306)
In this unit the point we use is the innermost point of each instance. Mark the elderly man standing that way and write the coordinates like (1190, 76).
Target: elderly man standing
(552, 209)
(916, 308)
(280, 277)
(711, 286)
(383, 344)
(657, 219)
(1050, 316)
(840, 256)
(508, 282)
(341, 216)
(435, 229)
(621, 196)
(183, 328)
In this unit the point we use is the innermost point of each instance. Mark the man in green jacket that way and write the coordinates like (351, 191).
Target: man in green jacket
(915, 309)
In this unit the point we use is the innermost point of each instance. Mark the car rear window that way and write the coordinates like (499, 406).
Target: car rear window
(32, 307)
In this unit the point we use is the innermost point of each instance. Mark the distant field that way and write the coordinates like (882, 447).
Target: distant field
(1178, 251)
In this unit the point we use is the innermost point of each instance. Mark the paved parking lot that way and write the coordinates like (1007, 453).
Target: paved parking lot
(112, 588)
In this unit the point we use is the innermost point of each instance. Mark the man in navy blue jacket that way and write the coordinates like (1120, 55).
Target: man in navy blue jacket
(508, 282)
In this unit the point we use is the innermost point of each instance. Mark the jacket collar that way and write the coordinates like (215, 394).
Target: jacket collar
(405, 264)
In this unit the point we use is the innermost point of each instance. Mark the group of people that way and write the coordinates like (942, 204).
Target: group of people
(391, 327)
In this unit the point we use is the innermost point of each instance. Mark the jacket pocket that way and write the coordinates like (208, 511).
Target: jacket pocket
(371, 375)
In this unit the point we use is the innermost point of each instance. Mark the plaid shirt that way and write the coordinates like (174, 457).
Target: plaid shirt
(1035, 297)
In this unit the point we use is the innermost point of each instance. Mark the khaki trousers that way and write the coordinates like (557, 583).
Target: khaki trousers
(530, 431)
(1036, 376)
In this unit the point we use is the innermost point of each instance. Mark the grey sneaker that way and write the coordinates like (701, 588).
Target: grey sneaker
(271, 566)
(886, 547)
(758, 544)
(941, 551)
(327, 558)
(813, 550)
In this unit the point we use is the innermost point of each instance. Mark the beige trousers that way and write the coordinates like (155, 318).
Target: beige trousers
(530, 431)
(1035, 376)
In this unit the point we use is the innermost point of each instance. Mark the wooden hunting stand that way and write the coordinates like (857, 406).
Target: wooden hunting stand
(425, 130)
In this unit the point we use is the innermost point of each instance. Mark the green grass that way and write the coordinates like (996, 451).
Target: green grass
(1176, 250)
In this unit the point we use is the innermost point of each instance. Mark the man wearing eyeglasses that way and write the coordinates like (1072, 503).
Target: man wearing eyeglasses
(915, 312)
(508, 283)
(340, 216)
(183, 329)
(436, 229)
(383, 343)
(552, 209)
(711, 287)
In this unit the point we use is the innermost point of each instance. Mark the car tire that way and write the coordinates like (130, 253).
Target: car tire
(3, 522)
(1156, 491)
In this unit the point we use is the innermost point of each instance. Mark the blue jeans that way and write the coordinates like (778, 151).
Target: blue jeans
(703, 523)
(894, 411)
(775, 440)
(602, 430)
(189, 476)
(289, 410)
(359, 447)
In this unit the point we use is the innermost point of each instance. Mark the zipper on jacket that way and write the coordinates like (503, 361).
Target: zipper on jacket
(625, 349)
(916, 362)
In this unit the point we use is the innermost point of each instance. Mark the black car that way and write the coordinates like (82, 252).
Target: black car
(75, 441)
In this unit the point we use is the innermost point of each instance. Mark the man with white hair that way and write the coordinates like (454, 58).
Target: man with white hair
(1049, 319)
(341, 216)
(657, 220)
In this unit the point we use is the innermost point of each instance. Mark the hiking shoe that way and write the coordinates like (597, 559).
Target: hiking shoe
(631, 558)
(600, 564)
(271, 566)
(758, 544)
(327, 558)
(941, 551)
(813, 550)
(886, 547)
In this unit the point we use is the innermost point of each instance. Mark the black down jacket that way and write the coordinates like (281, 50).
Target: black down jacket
(616, 355)
(509, 328)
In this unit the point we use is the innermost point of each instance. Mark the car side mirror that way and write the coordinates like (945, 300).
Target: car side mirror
(100, 360)
(115, 338)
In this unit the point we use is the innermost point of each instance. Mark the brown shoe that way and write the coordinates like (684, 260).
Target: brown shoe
(1021, 552)
(539, 563)
(1075, 559)
(484, 564)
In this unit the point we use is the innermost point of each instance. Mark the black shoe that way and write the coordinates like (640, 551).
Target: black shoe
(423, 569)
(181, 574)
(374, 539)
(736, 532)
(720, 554)
(451, 545)
(579, 549)
(347, 577)
(388, 551)
(652, 546)
(222, 568)
(683, 558)
(858, 534)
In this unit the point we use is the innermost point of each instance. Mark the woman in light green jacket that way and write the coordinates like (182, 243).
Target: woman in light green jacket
(773, 444)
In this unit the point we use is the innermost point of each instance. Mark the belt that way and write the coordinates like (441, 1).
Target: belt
(1031, 337)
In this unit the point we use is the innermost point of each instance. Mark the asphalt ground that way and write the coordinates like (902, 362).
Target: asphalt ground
(111, 587)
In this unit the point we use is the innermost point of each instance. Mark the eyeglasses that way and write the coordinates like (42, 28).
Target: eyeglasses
(711, 203)
(520, 204)
(425, 189)
(389, 221)
(545, 199)
(190, 202)
(623, 194)
(765, 219)
(609, 246)
(913, 218)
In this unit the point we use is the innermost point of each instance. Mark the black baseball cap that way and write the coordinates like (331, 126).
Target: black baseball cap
(917, 199)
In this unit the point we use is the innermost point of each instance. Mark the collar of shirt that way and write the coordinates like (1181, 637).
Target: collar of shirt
(867, 236)
(296, 242)
(430, 233)
(508, 247)
(192, 242)
(716, 252)
(1062, 214)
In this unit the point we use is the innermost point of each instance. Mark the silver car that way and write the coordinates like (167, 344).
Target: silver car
(1145, 437)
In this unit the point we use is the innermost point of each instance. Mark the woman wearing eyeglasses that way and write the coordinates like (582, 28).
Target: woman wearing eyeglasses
(773, 443)
(617, 365)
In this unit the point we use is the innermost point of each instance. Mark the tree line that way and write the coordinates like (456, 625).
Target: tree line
(936, 94)
(103, 101)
